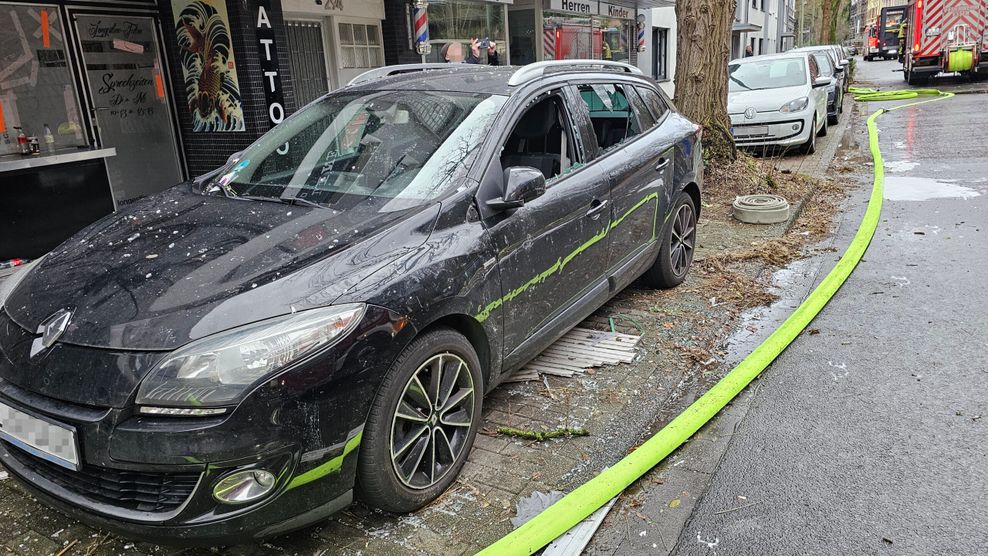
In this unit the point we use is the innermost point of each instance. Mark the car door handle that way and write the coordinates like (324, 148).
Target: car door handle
(596, 207)
(663, 163)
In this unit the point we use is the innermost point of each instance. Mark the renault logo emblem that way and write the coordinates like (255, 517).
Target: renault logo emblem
(750, 113)
(54, 326)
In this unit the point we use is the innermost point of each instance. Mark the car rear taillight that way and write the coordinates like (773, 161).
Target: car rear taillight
(698, 131)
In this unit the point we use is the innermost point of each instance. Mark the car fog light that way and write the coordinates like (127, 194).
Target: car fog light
(795, 127)
(244, 486)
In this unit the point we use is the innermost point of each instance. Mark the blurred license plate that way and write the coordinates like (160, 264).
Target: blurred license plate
(751, 131)
(51, 441)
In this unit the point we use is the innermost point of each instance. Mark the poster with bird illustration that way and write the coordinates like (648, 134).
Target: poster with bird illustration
(202, 28)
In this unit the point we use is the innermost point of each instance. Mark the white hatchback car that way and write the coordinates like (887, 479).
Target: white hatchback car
(777, 100)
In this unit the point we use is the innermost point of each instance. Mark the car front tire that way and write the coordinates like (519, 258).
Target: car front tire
(678, 246)
(422, 423)
(809, 147)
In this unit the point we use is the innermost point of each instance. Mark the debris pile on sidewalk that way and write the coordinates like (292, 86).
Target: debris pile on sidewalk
(578, 350)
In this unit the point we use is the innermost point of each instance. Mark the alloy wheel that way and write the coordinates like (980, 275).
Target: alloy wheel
(432, 421)
(683, 240)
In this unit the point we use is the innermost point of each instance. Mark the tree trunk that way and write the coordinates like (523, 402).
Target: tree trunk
(826, 21)
(704, 48)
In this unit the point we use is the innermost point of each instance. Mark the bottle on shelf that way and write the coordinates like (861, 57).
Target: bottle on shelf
(22, 140)
(49, 139)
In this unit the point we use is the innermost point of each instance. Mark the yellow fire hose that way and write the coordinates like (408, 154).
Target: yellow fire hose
(960, 60)
(590, 496)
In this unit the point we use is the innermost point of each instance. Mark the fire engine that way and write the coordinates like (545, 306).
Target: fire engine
(949, 36)
(883, 36)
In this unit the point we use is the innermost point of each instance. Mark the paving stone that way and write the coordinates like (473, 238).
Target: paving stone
(32, 543)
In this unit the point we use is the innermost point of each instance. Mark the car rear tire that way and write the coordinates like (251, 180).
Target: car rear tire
(422, 423)
(678, 244)
(825, 128)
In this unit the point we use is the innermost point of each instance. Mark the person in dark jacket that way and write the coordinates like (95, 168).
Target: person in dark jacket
(452, 52)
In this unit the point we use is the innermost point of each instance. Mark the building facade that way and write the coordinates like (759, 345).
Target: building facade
(658, 58)
(763, 26)
(524, 31)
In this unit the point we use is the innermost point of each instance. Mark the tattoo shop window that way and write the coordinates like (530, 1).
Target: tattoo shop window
(36, 86)
(361, 45)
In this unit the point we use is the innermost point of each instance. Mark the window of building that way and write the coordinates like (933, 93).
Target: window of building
(37, 85)
(360, 45)
(523, 41)
(460, 21)
(660, 53)
(610, 111)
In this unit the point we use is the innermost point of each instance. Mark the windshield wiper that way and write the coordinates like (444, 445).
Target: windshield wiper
(741, 83)
(283, 201)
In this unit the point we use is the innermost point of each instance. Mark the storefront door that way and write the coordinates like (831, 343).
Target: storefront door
(308, 60)
(129, 102)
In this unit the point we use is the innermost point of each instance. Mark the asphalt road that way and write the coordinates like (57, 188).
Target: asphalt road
(872, 435)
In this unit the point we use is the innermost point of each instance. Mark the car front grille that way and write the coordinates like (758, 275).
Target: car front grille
(128, 490)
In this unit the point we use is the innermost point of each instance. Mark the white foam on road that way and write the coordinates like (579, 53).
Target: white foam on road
(901, 188)
(900, 166)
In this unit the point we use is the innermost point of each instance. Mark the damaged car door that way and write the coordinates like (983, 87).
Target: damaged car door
(552, 249)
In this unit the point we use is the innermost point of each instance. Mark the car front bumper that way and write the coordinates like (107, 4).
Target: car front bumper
(285, 511)
(152, 477)
(771, 129)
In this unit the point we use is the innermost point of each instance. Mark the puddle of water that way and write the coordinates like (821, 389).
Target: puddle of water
(791, 284)
(900, 165)
(901, 188)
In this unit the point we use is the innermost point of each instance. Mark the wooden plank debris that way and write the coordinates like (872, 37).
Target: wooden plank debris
(580, 349)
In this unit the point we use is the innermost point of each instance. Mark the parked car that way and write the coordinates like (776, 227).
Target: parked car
(843, 59)
(777, 100)
(241, 355)
(827, 62)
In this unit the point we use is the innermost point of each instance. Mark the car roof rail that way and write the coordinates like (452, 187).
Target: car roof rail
(535, 70)
(388, 71)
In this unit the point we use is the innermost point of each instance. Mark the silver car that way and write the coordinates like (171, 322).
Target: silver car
(826, 59)
(779, 100)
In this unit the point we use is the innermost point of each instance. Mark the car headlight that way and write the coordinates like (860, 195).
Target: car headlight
(7, 286)
(210, 375)
(795, 106)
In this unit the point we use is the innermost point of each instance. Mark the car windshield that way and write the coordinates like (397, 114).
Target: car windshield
(775, 73)
(394, 149)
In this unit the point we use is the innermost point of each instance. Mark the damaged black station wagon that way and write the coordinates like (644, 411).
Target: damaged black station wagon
(241, 355)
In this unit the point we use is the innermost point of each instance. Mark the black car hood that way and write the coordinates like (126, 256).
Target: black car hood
(178, 266)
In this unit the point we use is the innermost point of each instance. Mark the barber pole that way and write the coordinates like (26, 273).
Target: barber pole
(640, 28)
(422, 28)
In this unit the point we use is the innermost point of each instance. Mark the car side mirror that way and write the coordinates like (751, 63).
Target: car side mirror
(821, 81)
(845, 62)
(521, 185)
